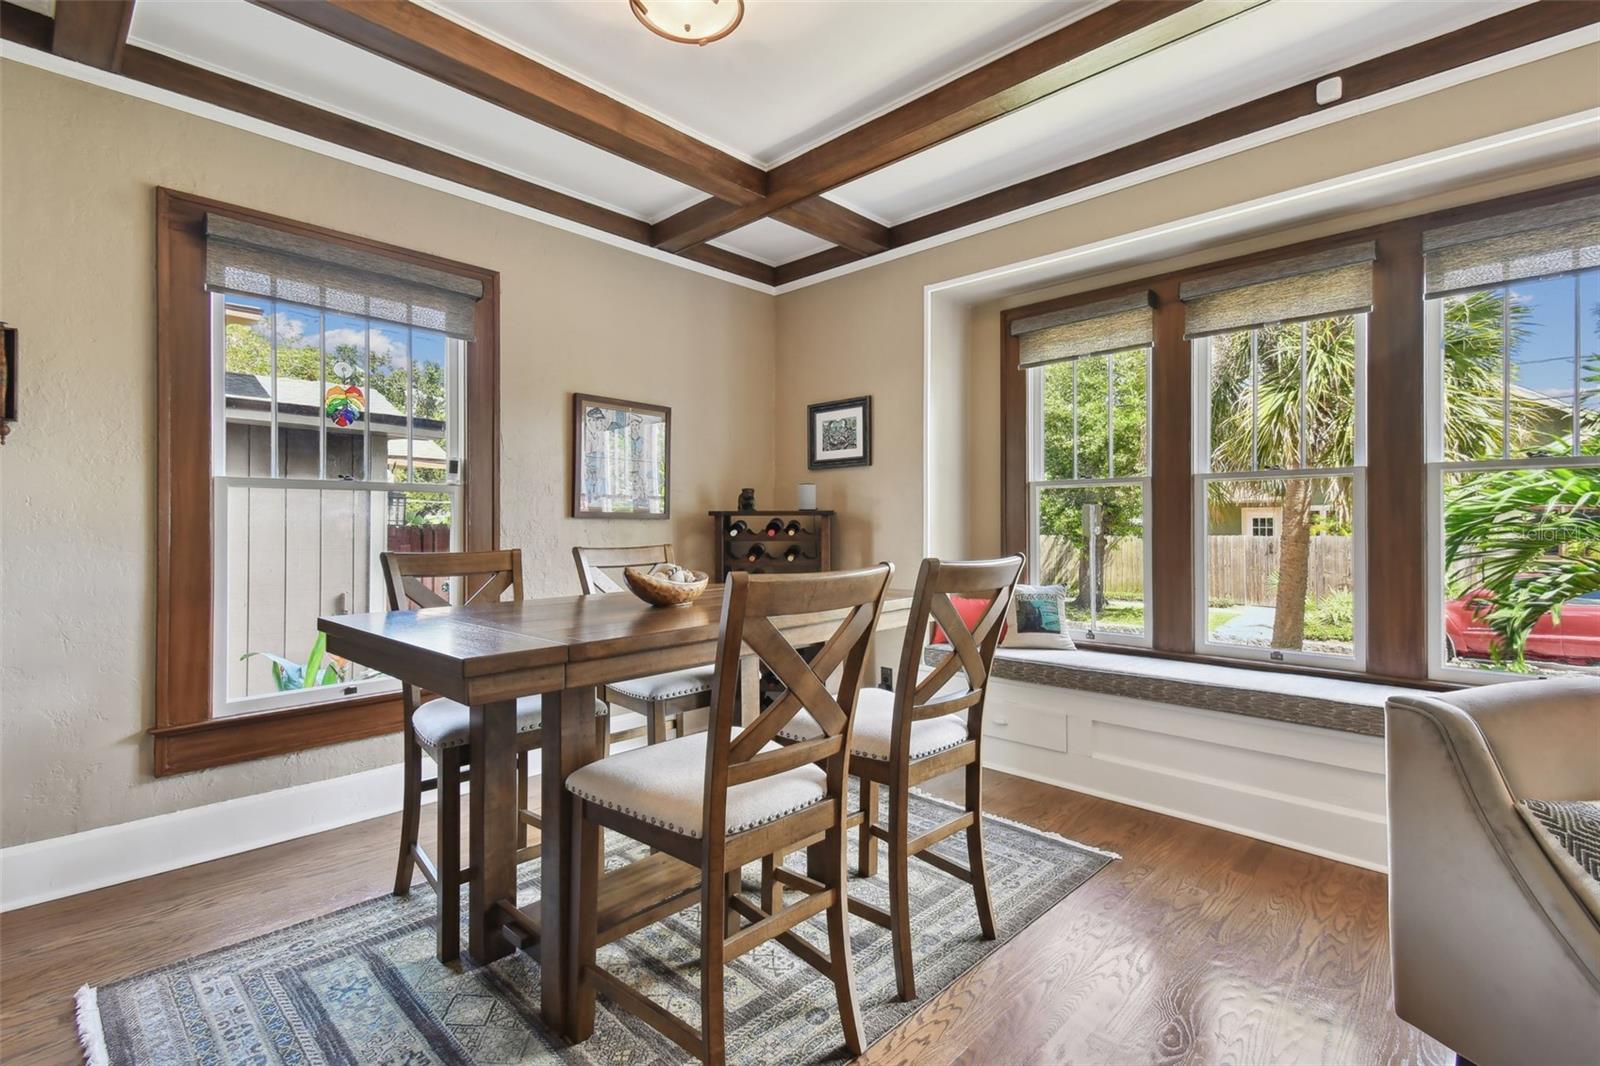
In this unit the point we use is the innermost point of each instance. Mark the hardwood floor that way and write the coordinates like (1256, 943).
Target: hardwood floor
(1199, 946)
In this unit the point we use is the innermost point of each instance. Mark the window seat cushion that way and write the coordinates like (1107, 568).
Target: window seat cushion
(1327, 703)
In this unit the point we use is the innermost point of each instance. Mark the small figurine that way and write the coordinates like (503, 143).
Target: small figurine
(747, 499)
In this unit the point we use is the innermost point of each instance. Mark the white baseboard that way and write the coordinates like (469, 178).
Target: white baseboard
(44, 870)
(79, 862)
(1312, 789)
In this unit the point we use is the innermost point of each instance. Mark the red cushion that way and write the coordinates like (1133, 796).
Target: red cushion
(971, 612)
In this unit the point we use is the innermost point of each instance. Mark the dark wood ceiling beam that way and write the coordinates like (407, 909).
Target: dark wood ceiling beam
(31, 29)
(1481, 40)
(430, 44)
(1078, 51)
(733, 263)
(92, 31)
(815, 263)
(828, 220)
(819, 216)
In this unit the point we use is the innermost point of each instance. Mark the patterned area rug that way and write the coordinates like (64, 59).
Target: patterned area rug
(361, 986)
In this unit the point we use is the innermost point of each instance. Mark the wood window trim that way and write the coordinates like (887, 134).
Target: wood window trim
(186, 734)
(1396, 599)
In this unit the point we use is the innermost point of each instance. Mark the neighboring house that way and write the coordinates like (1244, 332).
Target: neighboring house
(275, 594)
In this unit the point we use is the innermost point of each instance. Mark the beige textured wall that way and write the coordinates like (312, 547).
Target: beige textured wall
(78, 170)
(77, 479)
(863, 332)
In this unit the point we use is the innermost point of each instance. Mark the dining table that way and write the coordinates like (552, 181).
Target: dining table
(560, 648)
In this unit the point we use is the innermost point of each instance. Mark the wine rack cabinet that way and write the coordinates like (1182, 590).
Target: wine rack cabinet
(773, 542)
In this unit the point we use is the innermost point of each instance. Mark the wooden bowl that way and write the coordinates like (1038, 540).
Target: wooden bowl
(659, 592)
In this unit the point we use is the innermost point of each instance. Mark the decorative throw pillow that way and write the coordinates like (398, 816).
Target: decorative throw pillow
(1572, 826)
(1037, 618)
(971, 611)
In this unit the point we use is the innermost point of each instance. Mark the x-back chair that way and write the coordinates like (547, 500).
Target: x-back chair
(441, 728)
(727, 797)
(905, 737)
(663, 699)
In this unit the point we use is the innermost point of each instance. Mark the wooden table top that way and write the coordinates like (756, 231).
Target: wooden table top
(428, 645)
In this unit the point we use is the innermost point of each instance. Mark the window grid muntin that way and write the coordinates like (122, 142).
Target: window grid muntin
(1037, 482)
(1438, 467)
(1201, 349)
(451, 487)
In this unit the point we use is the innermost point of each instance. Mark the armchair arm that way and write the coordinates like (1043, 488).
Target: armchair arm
(1492, 953)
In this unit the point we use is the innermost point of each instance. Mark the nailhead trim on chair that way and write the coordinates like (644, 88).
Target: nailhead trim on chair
(674, 827)
(686, 690)
(857, 753)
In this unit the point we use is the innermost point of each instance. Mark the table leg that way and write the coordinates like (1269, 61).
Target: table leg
(569, 742)
(749, 688)
(494, 826)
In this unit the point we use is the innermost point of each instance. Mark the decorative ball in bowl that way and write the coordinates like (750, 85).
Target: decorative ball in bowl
(665, 584)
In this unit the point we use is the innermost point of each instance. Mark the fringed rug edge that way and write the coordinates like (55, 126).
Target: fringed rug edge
(90, 1033)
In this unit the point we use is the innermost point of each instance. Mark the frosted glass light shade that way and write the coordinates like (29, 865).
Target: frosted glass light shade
(689, 21)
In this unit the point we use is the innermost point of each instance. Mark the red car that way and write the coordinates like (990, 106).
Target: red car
(1575, 639)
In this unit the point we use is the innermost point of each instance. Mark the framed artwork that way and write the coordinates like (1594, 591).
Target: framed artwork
(840, 433)
(8, 379)
(622, 458)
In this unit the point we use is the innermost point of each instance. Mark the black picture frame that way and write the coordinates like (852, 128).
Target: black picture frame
(818, 451)
(8, 379)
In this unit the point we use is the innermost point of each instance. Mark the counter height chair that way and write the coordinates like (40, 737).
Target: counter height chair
(662, 699)
(905, 737)
(720, 799)
(440, 728)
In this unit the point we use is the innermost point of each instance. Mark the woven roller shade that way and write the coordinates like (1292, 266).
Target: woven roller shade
(1111, 325)
(257, 261)
(1336, 281)
(1515, 246)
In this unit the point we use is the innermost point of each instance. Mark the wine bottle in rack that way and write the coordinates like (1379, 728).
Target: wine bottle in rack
(755, 554)
(791, 553)
(738, 528)
(774, 527)
(793, 529)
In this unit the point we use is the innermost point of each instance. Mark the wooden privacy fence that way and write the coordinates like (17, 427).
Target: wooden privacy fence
(1241, 569)
(419, 538)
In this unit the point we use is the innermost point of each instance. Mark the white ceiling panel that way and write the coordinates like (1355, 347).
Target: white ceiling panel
(277, 53)
(1260, 51)
(794, 73)
(771, 241)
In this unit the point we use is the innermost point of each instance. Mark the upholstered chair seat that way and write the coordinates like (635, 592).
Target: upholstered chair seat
(664, 784)
(442, 723)
(691, 682)
(875, 726)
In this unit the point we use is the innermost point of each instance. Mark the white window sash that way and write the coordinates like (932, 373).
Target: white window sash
(1037, 483)
(455, 435)
(1200, 388)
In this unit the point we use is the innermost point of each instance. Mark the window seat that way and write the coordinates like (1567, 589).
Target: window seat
(1327, 703)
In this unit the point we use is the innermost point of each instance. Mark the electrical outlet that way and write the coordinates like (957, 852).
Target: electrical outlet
(885, 677)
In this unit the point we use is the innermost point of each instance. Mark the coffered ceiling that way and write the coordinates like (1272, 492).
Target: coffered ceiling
(821, 132)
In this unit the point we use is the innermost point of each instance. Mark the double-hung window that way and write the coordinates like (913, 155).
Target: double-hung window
(1088, 375)
(1280, 354)
(321, 398)
(1513, 349)
(337, 435)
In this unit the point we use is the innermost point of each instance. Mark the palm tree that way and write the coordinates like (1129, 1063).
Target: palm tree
(1260, 419)
(1529, 538)
(1502, 527)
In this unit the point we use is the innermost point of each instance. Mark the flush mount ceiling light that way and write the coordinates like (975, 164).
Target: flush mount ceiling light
(689, 21)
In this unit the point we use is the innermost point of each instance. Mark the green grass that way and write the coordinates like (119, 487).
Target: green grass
(1217, 617)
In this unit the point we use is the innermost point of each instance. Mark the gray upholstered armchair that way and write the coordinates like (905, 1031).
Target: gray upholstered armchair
(1495, 932)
